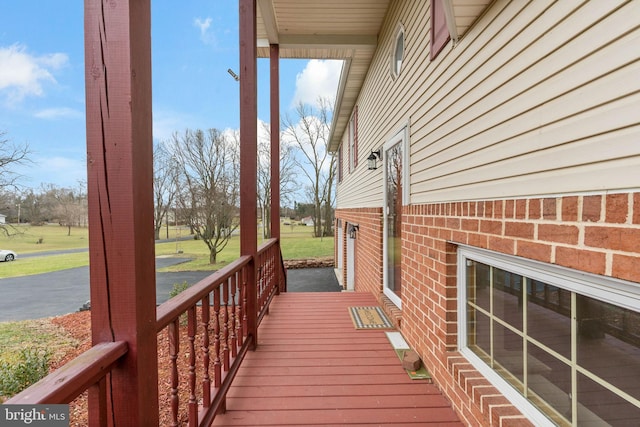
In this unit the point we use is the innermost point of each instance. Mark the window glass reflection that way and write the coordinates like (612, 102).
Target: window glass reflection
(507, 297)
(598, 406)
(546, 322)
(607, 343)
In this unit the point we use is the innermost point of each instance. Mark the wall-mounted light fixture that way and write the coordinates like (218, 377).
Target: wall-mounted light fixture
(353, 230)
(372, 160)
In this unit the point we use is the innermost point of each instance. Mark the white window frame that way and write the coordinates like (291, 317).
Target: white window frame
(613, 291)
(396, 68)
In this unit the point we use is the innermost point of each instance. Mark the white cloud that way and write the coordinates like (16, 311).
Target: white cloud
(166, 122)
(59, 113)
(23, 74)
(318, 79)
(62, 171)
(205, 35)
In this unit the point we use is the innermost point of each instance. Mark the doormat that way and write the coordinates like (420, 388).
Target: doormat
(369, 318)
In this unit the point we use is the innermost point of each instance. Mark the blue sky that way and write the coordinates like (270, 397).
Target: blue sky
(193, 44)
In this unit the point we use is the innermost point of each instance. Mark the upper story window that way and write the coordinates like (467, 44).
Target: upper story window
(353, 140)
(398, 52)
(340, 163)
(439, 31)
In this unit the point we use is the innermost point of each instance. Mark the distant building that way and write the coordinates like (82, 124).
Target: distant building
(3, 219)
(308, 221)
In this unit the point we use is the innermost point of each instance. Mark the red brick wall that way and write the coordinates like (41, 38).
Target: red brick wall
(368, 247)
(598, 234)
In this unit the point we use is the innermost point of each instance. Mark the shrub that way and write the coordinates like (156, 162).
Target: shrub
(178, 288)
(30, 366)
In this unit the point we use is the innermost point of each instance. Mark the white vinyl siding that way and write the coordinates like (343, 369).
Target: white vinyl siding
(529, 102)
(518, 119)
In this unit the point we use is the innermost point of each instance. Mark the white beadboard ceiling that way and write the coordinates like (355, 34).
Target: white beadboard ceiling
(341, 29)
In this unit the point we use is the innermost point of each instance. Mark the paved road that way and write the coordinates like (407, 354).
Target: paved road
(61, 292)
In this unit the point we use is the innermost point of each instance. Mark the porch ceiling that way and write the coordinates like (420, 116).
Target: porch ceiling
(341, 29)
(331, 29)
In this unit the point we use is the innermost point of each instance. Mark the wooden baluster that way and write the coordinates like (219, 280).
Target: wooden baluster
(206, 380)
(244, 302)
(174, 348)
(191, 331)
(241, 305)
(259, 283)
(232, 329)
(225, 324)
(217, 371)
(271, 275)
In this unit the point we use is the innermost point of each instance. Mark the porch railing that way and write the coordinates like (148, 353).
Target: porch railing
(210, 318)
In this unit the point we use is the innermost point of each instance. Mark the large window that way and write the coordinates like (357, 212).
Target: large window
(564, 346)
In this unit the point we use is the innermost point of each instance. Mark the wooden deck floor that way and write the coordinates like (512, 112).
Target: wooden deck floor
(313, 368)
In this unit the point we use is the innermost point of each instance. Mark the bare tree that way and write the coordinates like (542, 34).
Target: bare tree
(164, 185)
(309, 132)
(68, 206)
(287, 176)
(11, 155)
(209, 170)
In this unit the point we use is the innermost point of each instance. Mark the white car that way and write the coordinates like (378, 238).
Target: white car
(7, 255)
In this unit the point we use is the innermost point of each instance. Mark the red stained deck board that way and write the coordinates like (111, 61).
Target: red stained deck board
(380, 379)
(263, 363)
(415, 388)
(390, 416)
(312, 367)
(337, 402)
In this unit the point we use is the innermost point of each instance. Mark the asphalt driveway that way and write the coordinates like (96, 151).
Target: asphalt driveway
(62, 292)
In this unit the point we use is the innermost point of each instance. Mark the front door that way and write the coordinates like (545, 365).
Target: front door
(393, 161)
(351, 260)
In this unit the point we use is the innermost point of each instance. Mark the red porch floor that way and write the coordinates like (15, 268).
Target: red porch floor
(313, 368)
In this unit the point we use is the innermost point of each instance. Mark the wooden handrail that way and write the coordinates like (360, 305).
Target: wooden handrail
(72, 379)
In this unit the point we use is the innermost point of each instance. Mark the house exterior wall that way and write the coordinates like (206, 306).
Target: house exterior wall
(524, 140)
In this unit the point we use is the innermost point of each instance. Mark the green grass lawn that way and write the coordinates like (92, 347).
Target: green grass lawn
(38, 333)
(26, 238)
(297, 243)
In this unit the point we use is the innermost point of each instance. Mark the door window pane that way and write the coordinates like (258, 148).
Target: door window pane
(393, 164)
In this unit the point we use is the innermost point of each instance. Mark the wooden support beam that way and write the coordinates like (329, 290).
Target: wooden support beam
(275, 140)
(120, 177)
(249, 155)
(274, 117)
